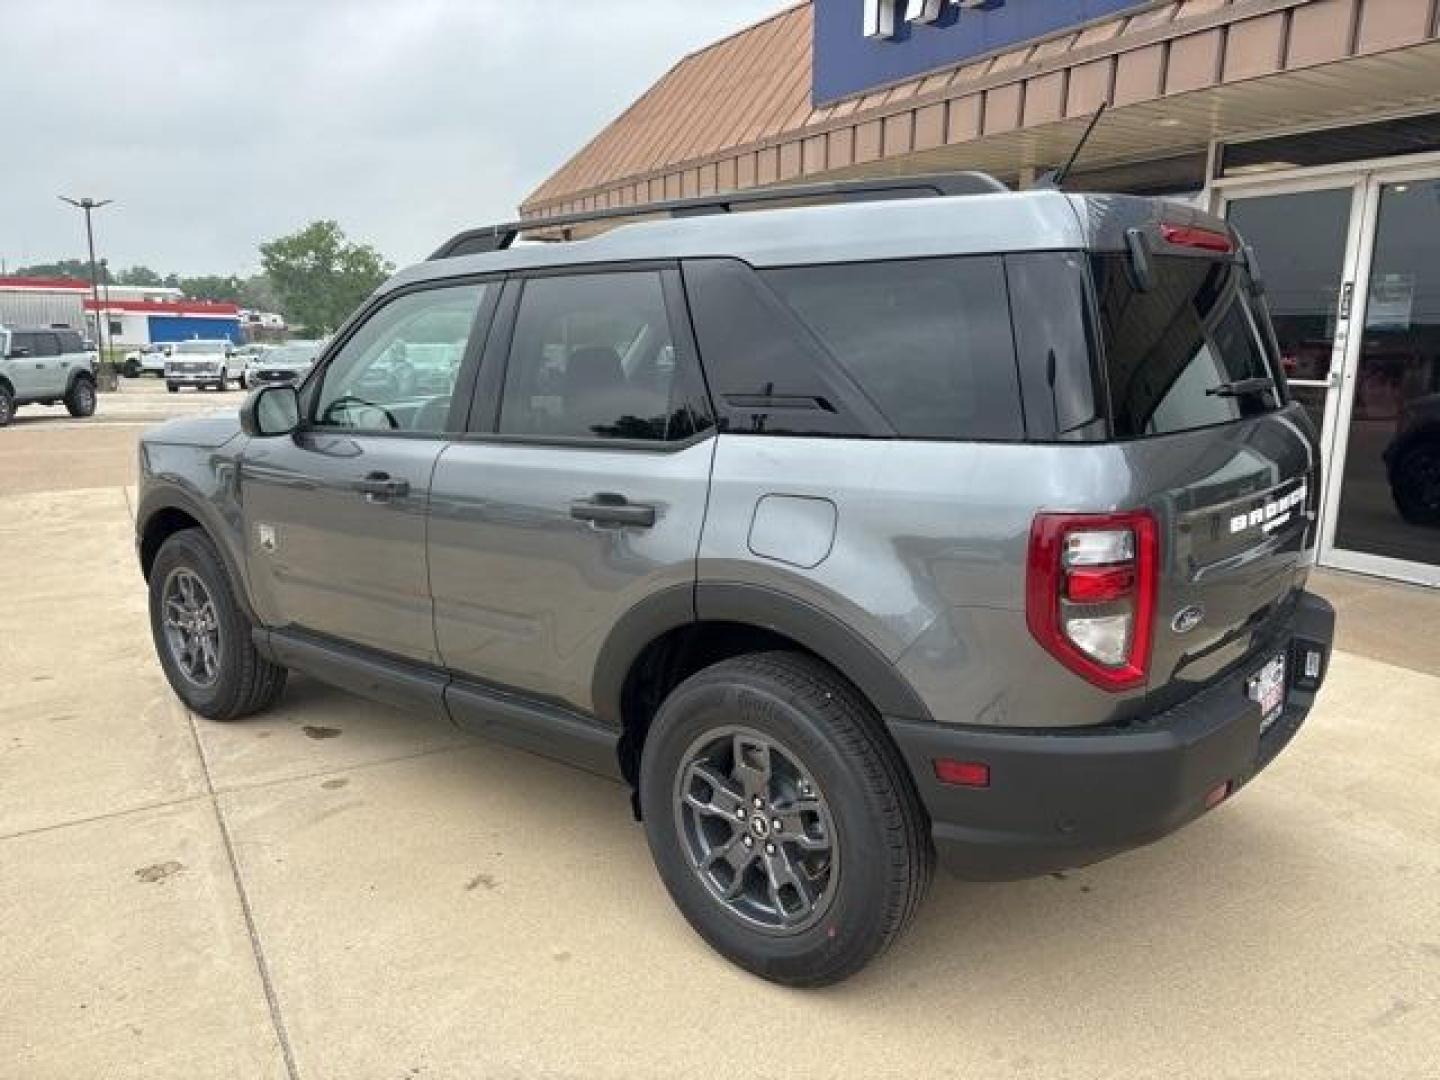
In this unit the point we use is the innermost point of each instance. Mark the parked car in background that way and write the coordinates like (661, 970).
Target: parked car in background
(43, 366)
(146, 360)
(203, 364)
(287, 363)
(972, 527)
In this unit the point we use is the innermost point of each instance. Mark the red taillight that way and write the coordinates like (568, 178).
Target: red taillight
(962, 773)
(1192, 237)
(1090, 593)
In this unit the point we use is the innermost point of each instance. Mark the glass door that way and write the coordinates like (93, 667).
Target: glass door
(1383, 501)
(1305, 242)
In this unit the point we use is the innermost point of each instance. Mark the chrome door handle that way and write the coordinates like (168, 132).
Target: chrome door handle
(609, 508)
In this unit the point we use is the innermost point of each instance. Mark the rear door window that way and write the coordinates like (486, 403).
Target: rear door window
(929, 340)
(1177, 356)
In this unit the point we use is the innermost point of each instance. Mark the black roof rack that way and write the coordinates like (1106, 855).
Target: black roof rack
(500, 237)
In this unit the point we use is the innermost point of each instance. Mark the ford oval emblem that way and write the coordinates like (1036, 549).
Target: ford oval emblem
(1186, 619)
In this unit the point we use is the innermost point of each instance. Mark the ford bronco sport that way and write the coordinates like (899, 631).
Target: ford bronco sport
(43, 366)
(901, 519)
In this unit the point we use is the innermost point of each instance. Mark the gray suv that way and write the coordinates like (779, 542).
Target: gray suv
(902, 519)
(42, 366)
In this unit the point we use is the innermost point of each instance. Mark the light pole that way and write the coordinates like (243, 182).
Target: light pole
(90, 205)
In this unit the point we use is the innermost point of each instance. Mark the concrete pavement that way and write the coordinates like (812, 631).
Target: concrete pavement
(338, 889)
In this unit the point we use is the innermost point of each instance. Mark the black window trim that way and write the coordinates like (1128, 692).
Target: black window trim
(834, 364)
(482, 424)
(464, 381)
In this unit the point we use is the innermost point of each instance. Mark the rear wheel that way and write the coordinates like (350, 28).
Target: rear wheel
(174, 389)
(80, 399)
(202, 635)
(7, 405)
(1415, 483)
(781, 818)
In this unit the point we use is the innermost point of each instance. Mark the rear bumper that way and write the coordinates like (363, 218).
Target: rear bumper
(1064, 798)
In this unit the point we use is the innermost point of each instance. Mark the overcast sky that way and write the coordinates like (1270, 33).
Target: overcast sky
(217, 124)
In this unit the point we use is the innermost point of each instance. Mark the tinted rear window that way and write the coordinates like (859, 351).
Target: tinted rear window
(1169, 350)
(929, 341)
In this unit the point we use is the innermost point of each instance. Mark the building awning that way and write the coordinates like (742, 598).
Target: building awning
(741, 113)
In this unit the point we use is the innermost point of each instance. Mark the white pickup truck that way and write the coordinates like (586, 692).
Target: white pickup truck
(203, 363)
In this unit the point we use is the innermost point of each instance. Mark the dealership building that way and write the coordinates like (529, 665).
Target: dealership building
(133, 314)
(1314, 125)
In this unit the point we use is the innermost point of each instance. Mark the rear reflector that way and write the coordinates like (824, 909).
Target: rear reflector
(962, 773)
(1099, 584)
(1191, 237)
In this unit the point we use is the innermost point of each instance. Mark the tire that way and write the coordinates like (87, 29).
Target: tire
(820, 736)
(132, 370)
(80, 398)
(172, 388)
(7, 405)
(241, 681)
(1415, 482)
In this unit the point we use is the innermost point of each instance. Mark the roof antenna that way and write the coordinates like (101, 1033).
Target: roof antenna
(1056, 177)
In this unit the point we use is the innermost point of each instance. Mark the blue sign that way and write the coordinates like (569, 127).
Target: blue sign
(864, 44)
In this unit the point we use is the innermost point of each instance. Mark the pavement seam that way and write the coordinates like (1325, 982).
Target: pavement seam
(142, 809)
(272, 1000)
(360, 766)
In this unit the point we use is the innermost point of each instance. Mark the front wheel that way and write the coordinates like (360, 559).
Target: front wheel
(202, 635)
(172, 387)
(7, 405)
(80, 398)
(782, 820)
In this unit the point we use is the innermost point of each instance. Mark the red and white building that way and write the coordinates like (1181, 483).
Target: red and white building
(133, 314)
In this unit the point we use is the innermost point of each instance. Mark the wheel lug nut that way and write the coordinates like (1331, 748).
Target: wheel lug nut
(759, 802)
(749, 842)
(769, 849)
(740, 812)
(777, 825)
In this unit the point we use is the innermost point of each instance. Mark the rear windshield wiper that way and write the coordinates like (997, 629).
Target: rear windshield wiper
(1241, 387)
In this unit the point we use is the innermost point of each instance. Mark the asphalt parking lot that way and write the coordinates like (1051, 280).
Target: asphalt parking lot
(340, 890)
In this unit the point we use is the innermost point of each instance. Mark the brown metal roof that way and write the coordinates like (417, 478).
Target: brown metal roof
(739, 113)
(741, 88)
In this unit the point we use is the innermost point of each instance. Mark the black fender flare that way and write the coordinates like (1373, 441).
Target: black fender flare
(163, 495)
(834, 641)
(75, 375)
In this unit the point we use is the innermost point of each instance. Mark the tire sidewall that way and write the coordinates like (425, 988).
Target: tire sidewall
(856, 911)
(7, 406)
(191, 550)
(81, 399)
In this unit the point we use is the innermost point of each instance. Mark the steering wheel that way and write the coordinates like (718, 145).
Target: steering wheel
(351, 399)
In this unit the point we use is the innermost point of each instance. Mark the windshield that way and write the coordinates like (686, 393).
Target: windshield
(193, 347)
(1189, 352)
(291, 355)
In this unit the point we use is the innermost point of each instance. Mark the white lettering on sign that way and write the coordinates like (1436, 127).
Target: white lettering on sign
(887, 19)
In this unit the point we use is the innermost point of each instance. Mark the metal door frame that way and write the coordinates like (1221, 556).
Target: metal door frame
(1365, 180)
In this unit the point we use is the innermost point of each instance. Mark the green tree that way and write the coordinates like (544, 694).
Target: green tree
(258, 294)
(223, 288)
(139, 275)
(70, 268)
(320, 276)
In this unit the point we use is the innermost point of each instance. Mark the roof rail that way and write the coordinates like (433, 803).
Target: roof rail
(499, 237)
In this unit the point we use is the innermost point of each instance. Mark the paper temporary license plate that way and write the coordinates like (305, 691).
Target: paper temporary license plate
(1267, 686)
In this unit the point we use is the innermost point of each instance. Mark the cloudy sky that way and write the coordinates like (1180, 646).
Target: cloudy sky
(217, 124)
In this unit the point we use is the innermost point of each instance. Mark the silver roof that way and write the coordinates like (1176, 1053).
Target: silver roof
(843, 232)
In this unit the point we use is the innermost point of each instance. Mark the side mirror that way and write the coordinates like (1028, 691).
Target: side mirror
(270, 411)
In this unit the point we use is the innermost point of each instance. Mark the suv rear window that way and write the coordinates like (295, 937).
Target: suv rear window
(929, 341)
(1173, 354)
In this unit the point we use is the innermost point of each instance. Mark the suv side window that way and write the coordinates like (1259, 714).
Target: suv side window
(593, 356)
(70, 341)
(44, 344)
(929, 340)
(397, 372)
